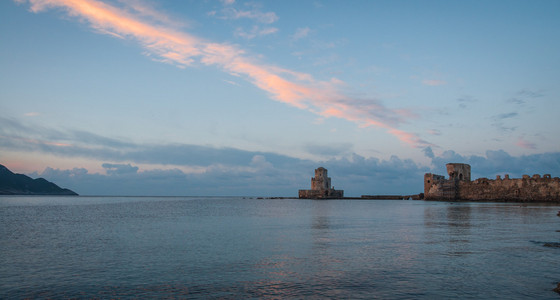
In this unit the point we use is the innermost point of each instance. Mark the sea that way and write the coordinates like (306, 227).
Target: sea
(249, 248)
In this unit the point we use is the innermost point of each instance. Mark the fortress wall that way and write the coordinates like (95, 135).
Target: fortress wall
(320, 194)
(534, 188)
(460, 187)
(431, 182)
(441, 190)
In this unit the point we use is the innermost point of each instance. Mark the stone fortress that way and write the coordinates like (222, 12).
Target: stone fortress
(460, 187)
(321, 187)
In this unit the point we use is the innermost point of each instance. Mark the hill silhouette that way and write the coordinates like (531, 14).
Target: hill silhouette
(19, 184)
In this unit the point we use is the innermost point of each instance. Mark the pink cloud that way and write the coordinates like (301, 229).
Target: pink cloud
(410, 138)
(434, 132)
(525, 144)
(166, 44)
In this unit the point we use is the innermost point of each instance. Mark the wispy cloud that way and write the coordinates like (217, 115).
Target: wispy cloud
(525, 95)
(256, 31)
(148, 10)
(15, 136)
(500, 121)
(232, 82)
(167, 44)
(504, 128)
(530, 93)
(433, 82)
(515, 101)
(231, 13)
(31, 114)
(521, 142)
(301, 33)
(434, 132)
(465, 100)
(119, 168)
(506, 116)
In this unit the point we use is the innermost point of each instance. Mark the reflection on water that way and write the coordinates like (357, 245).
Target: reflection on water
(321, 225)
(247, 248)
(453, 224)
(460, 229)
(490, 244)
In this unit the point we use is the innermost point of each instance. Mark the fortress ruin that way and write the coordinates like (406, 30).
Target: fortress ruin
(321, 187)
(460, 187)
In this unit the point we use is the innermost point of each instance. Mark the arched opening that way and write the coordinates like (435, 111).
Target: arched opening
(461, 176)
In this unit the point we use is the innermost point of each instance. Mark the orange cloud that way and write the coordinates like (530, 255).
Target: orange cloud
(166, 44)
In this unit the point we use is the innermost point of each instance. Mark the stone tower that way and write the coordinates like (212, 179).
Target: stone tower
(321, 181)
(321, 187)
(459, 171)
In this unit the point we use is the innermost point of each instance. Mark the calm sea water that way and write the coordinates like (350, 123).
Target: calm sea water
(187, 247)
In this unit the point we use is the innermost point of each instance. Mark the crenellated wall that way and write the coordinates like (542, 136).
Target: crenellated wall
(535, 188)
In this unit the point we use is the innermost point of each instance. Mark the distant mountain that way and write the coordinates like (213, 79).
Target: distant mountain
(19, 184)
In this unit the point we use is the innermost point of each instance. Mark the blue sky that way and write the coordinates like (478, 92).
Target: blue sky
(248, 97)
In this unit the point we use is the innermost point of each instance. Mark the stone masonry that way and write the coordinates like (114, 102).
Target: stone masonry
(321, 187)
(460, 187)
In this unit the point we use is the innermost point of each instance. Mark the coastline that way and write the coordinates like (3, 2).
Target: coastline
(554, 202)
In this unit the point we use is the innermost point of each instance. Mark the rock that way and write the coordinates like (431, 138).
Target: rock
(557, 289)
(552, 245)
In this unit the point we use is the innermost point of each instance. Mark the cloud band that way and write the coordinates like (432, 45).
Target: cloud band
(169, 45)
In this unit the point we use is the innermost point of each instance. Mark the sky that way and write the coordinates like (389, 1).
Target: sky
(247, 98)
